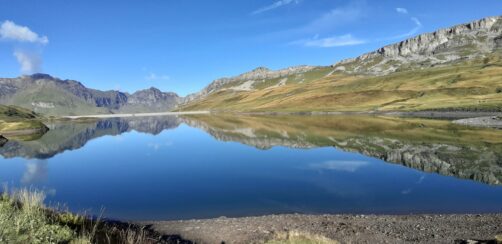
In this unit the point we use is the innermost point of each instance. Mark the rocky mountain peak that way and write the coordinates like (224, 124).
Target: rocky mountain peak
(260, 73)
(154, 98)
(152, 90)
(75, 94)
(460, 42)
(260, 69)
(40, 76)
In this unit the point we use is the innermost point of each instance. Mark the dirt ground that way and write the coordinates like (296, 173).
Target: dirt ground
(342, 228)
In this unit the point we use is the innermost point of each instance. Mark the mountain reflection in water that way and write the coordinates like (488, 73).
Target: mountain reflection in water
(424, 144)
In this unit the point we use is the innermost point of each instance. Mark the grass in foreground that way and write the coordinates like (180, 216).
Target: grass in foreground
(25, 219)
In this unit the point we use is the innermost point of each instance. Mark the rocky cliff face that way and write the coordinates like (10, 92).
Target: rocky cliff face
(466, 41)
(41, 91)
(260, 73)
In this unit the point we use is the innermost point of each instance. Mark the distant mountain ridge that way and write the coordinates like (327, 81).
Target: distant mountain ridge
(451, 68)
(461, 42)
(251, 77)
(52, 96)
(456, 68)
(465, 41)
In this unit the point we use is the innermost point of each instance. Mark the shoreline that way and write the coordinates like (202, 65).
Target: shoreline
(423, 114)
(467, 118)
(133, 115)
(423, 228)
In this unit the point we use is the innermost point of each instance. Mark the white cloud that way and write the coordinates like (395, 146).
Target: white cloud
(421, 179)
(152, 77)
(11, 31)
(275, 5)
(418, 26)
(30, 62)
(36, 171)
(337, 16)
(402, 10)
(157, 146)
(340, 165)
(327, 23)
(334, 41)
(417, 22)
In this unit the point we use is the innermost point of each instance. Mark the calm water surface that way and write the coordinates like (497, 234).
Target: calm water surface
(210, 166)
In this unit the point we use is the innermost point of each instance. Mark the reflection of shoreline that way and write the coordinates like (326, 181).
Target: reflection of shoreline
(73, 135)
(104, 116)
(427, 145)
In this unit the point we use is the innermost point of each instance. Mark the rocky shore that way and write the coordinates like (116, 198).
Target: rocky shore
(484, 228)
(488, 121)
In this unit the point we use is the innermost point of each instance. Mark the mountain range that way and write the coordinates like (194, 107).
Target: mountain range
(457, 68)
(52, 96)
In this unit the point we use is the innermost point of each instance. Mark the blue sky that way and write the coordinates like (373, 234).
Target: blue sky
(181, 46)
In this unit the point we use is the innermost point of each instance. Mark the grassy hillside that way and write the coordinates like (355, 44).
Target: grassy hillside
(11, 113)
(16, 122)
(51, 100)
(469, 85)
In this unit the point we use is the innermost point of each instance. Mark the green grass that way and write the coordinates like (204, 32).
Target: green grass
(7, 126)
(25, 219)
(19, 123)
(11, 113)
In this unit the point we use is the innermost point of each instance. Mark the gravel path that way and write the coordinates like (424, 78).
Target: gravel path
(343, 228)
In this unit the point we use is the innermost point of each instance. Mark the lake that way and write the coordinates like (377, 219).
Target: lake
(205, 166)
